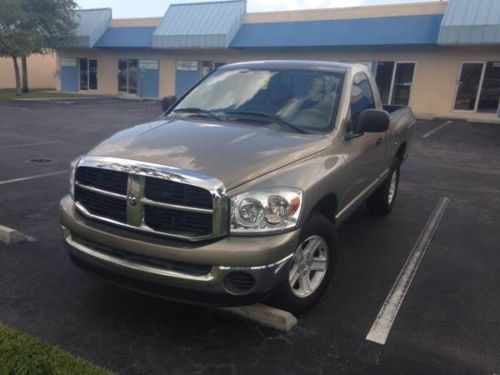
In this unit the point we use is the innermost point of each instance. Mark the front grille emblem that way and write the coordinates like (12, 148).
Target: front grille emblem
(131, 200)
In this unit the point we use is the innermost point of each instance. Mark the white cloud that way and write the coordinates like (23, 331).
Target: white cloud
(271, 5)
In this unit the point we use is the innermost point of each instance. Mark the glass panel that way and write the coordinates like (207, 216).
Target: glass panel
(93, 74)
(206, 68)
(384, 78)
(84, 74)
(307, 99)
(132, 76)
(402, 83)
(490, 92)
(122, 75)
(468, 86)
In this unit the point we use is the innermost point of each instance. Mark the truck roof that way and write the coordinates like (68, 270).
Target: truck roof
(293, 64)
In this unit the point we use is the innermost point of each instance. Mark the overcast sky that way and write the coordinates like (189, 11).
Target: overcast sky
(156, 8)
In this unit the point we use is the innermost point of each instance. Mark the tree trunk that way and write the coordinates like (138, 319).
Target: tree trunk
(18, 77)
(24, 65)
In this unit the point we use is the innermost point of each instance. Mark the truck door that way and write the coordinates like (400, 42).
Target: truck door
(366, 152)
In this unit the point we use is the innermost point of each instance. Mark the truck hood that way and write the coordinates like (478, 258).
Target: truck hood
(234, 153)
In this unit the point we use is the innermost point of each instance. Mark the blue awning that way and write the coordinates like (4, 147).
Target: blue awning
(126, 37)
(381, 31)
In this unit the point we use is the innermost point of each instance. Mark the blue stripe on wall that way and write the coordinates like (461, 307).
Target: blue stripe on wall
(400, 30)
(132, 37)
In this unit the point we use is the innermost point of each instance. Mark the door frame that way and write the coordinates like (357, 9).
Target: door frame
(126, 92)
(479, 89)
(79, 59)
(393, 79)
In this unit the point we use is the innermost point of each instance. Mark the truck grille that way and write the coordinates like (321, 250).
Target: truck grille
(101, 205)
(151, 204)
(113, 181)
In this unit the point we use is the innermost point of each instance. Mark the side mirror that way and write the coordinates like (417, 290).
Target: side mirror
(167, 102)
(373, 121)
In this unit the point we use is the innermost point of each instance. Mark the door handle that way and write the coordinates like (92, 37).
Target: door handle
(380, 141)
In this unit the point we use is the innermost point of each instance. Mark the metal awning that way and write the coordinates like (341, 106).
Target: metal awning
(471, 22)
(91, 25)
(199, 25)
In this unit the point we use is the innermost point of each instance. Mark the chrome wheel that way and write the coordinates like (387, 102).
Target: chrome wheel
(309, 266)
(392, 187)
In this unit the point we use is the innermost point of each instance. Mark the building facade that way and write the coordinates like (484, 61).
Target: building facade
(41, 72)
(442, 58)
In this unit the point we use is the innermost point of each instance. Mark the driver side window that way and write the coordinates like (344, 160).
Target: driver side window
(361, 99)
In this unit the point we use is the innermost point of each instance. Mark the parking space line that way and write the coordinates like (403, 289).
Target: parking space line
(428, 134)
(382, 325)
(32, 177)
(30, 144)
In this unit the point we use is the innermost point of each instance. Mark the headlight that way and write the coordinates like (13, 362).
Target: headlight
(264, 211)
(72, 172)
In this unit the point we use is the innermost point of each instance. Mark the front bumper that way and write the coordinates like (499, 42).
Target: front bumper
(240, 270)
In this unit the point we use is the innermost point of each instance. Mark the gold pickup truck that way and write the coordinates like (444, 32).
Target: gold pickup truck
(234, 195)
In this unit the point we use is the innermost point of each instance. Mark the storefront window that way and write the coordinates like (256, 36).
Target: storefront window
(490, 91)
(88, 74)
(394, 80)
(384, 79)
(479, 87)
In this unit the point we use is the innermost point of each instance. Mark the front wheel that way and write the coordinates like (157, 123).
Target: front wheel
(382, 200)
(311, 268)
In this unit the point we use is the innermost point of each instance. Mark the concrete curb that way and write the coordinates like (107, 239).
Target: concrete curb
(9, 235)
(267, 316)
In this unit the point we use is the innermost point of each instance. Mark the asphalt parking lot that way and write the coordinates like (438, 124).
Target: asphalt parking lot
(448, 321)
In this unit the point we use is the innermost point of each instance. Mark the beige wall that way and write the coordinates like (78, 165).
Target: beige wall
(433, 90)
(135, 22)
(348, 13)
(41, 72)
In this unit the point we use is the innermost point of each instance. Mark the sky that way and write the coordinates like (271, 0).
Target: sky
(157, 8)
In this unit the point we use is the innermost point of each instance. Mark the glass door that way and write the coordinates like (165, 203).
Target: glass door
(403, 79)
(468, 86)
(127, 75)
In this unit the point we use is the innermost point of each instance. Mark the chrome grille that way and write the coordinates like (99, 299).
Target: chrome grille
(151, 198)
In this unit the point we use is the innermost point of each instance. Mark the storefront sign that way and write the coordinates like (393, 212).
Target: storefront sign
(148, 64)
(69, 62)
(187, 65)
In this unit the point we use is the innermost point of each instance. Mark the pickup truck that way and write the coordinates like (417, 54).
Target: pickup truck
(234, 195)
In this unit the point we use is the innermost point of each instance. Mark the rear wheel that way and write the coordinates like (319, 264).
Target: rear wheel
(382, 200)
(311, 268)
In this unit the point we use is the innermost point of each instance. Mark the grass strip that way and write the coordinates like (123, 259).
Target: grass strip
(21, 354)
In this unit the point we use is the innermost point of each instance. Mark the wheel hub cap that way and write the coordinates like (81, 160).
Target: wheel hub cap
(309, 266)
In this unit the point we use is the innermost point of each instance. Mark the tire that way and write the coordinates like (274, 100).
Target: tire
(382, 201)
(295, 299)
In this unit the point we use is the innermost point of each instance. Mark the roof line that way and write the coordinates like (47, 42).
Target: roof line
(405, 5)
(208, 2)
(89, 10)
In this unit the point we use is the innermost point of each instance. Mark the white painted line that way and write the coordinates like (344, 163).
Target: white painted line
(30, 144)
(9, 235)
(32, 177)
(265, 315)
(428, 134)
(383, 323)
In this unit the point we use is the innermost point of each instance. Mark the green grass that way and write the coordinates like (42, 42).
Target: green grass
(36, 94)
(21, 354)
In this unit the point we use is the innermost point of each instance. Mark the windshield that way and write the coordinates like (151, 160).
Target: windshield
(303, 100)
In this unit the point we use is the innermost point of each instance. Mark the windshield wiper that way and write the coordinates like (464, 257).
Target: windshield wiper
(267, 118)
(198, 111)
